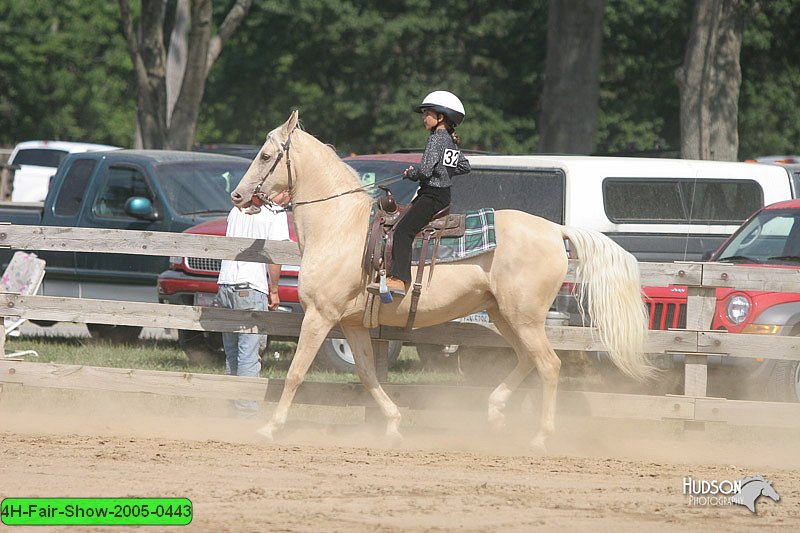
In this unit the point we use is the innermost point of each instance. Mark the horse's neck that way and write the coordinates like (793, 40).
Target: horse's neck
(341, 220)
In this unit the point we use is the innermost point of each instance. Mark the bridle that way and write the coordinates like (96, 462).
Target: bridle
(285, 151)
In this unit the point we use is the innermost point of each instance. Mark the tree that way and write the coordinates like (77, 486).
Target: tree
(571, 80)
(710, 79)
(63, 72)
(148, 52)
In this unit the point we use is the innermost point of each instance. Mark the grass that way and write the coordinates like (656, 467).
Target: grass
(152, 354)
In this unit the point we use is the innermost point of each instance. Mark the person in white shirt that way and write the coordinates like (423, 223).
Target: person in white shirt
(246, 285)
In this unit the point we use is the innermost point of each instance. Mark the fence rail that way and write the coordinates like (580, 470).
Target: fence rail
(702, 280)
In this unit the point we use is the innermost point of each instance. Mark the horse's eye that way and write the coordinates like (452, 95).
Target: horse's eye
(265, 156)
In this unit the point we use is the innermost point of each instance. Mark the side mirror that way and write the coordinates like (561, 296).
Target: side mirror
(140, 207)
(707, 256)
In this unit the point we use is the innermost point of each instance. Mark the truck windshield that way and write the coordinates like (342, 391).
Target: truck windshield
(196, 187)
(772, 237)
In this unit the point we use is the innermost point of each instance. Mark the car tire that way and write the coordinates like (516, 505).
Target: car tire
(202, 348)
(115, 334)
(783, 382)
(336, 355)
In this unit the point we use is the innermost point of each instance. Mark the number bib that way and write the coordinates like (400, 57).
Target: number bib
(450, 158)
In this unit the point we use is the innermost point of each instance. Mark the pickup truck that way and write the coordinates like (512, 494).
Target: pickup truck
(770, 238)
(147, 190)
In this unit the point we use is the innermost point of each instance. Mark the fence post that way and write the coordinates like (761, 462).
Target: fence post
(700, 306)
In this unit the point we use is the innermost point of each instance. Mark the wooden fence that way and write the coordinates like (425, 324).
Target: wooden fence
(696, 342)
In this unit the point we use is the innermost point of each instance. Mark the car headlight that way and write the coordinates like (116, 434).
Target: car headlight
(738, 308)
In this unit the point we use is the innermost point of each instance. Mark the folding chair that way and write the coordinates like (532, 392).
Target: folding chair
(24, 276)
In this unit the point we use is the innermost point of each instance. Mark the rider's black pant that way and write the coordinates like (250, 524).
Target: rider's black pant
(429, 201)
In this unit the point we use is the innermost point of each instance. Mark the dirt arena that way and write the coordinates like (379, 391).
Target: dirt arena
(330, 472)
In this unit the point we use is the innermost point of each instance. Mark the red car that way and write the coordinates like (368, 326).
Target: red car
(770, 238)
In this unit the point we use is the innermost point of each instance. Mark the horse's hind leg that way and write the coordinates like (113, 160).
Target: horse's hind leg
(361, 345)
(312, 333)
(499, 397)
(530, 341)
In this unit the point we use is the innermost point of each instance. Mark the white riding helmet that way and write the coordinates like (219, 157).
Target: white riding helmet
(446, 103)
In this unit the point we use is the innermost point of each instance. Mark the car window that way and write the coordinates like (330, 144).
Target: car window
(686, 201)
(42, 157)
(202, 186)
(70, 197)
(122, 183)
(539, 192)
(373, 172)
(771, 237)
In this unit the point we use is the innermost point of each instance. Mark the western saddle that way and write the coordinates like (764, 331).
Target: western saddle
(378, 254)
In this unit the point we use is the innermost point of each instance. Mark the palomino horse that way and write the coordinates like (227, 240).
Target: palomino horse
(516, 283)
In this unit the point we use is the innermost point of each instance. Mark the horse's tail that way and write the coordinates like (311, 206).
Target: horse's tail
(608, 279)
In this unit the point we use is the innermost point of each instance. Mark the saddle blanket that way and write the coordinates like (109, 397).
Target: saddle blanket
(479, 238)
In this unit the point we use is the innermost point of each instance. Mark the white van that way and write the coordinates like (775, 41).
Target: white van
(36, 162)
(657, 209)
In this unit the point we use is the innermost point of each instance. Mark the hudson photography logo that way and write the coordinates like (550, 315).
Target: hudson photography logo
(720, 493)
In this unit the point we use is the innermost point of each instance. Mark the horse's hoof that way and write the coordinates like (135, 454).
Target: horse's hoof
(393, 439)
(266, 433)
(537, 445)
(497, 420)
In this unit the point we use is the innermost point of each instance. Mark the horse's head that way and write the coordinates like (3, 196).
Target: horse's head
(270, 171)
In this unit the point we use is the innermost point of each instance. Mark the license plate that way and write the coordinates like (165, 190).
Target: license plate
(481, 317)
(204, 299)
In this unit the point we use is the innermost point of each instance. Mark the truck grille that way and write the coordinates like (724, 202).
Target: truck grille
(203, 264)
(664, 316)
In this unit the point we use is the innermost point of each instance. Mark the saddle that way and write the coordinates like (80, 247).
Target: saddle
(378, 256)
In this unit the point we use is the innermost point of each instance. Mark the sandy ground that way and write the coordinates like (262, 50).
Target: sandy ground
(331, 472)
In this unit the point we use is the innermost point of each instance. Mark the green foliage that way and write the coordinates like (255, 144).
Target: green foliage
(355, 69)
(64, 73)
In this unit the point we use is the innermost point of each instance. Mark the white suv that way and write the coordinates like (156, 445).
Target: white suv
(36, 162)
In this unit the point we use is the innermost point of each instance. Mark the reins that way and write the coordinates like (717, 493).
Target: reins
(285, 150)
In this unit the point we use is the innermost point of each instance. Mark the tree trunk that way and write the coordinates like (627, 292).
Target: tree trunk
(709, 81)
(161, 124)
(176, 55)
(571, 86)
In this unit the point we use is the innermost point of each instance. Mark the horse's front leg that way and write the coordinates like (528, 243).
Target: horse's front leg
(312, 333)
(361, 345)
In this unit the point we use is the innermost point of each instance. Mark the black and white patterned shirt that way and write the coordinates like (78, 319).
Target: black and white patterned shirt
(440, 162)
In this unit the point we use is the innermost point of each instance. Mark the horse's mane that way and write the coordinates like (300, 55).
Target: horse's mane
(349, 175)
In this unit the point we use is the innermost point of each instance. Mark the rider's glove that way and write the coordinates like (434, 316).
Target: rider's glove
(411, 173)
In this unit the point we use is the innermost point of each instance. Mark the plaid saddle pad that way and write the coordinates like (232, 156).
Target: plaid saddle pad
(479, 238)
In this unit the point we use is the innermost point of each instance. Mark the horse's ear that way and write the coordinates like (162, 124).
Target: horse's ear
(291, 124)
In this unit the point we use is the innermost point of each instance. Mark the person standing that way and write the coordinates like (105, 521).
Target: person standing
(250, 286)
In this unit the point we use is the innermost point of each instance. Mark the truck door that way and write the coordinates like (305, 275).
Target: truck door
(120, 276)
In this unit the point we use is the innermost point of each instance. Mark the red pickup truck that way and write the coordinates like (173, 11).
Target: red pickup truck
(770, 238)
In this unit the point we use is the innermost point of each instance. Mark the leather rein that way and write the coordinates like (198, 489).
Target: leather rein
(285, 151)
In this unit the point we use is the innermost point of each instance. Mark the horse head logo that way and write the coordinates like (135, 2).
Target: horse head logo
(754, 487)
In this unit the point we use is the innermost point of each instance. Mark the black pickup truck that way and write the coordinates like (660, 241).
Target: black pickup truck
(147, 190)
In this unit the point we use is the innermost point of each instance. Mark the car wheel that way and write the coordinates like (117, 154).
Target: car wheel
(336, 355)
(114, 334)
(202, 348)
(783, 383)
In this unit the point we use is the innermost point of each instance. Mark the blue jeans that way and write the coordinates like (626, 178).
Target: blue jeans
(241, 349)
